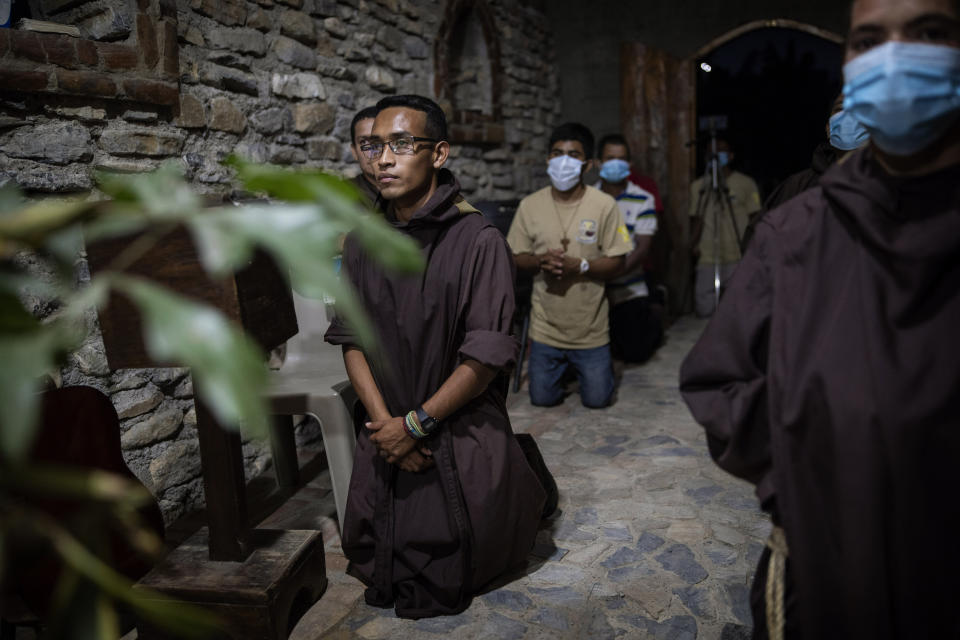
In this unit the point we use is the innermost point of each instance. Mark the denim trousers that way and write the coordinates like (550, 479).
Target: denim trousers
(594, 369)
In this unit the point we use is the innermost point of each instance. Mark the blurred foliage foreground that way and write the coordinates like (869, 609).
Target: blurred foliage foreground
(300, 227)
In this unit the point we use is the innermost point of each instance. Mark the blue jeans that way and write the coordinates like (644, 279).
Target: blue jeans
(594, 369)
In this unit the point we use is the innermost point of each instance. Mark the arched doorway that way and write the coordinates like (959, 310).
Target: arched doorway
(773, 83)
(659, 116)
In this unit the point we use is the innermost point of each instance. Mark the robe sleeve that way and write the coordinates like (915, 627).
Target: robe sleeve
(489, 303)
(724, 377)
(339, 332)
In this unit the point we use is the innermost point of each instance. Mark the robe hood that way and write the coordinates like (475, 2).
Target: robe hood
(824, 157)
(445, 205)
(913, 219)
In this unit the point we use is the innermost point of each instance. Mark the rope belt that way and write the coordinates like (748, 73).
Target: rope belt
(776, 583)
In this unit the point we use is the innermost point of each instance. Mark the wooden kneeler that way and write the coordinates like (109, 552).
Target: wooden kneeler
(259, 581)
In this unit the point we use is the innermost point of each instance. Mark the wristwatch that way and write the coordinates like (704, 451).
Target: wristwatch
(427, 424)
(584, 265)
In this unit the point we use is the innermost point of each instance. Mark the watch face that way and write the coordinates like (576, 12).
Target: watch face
(426, 422)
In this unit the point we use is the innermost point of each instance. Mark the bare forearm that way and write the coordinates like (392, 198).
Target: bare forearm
(363, 383)
(606, 268)
(527, 262)
(466, 382)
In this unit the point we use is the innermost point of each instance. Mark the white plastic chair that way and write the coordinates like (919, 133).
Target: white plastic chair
(313, 381)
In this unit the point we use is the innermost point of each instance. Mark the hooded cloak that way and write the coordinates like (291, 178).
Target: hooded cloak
(830, 378)
(428, 541)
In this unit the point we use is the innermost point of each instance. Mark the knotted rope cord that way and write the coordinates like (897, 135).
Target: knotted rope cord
(776, 583)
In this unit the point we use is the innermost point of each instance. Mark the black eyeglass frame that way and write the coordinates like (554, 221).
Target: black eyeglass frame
(373, 150)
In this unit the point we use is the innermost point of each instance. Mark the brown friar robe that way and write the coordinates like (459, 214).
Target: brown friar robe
(830, 378)
(370, 194)
(428, 541)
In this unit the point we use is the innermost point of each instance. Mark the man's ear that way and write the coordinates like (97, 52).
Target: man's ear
(588, 165)
(440, 154)
(353, 152)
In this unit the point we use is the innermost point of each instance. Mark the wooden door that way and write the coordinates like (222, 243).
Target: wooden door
(657, 112)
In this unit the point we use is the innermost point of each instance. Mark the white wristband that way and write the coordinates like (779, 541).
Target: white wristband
(584, 265)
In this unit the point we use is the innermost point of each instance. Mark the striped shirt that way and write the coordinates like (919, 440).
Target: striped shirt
(638, 207)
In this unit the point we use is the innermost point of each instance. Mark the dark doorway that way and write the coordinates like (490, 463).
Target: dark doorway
(775, 86)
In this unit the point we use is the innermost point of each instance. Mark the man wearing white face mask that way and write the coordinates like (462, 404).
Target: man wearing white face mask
(572, 238)
(829, 376)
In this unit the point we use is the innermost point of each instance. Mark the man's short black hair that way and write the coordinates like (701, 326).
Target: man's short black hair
(363, 114)
(436, 120)
(574, 131)
(612, 138)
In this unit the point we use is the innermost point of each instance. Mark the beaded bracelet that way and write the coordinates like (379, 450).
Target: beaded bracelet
(410, 421)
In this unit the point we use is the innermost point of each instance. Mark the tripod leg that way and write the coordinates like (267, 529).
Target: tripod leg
(687, 298)
(733, 221)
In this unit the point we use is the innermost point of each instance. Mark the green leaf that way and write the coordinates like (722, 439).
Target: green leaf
(341, 205)
(161, 194)
(13, 317)
(29, 350)
(227, 367)
(295, 186)
(10, 198)
(66, 244)
(32, 224)
(76, 484)
(108, 625)
(115, 223)
(26, 357)
(177, 617)
(17, 282)
(299, 239)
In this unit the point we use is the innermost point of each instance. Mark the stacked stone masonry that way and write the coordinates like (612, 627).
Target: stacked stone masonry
(278, 81)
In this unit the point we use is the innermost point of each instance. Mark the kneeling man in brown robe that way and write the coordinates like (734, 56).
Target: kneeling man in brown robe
(442, 500)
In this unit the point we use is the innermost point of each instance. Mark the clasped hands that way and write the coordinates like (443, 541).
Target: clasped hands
(558, 264)
(398, 447)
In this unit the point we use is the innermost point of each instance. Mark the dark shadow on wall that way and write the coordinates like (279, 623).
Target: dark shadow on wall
(776, 87)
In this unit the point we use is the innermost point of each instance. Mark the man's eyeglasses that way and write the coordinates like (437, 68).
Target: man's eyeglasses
(402, 146)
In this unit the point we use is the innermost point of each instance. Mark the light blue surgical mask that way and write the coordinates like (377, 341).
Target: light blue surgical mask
(846, 132)
(906, 94)
(723, 158)
(615, 170)
(564, 172)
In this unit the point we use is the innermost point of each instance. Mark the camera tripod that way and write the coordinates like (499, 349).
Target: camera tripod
(714, 189)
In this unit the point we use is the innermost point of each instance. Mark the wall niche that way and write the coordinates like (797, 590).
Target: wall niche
(104, 20)
(468, 73)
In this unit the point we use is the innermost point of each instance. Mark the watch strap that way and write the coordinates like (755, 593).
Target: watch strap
(427, 424)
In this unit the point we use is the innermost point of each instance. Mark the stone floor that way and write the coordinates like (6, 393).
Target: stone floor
(653, 540)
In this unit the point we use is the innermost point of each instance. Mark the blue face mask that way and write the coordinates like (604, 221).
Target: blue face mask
(846, 132)
(615, 171)
(906, 94)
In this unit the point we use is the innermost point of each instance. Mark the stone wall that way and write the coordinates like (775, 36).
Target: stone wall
(273, 80)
